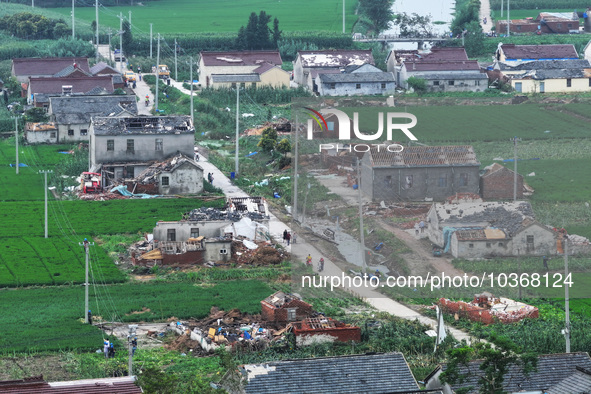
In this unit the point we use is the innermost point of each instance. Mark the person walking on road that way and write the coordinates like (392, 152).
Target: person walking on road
(288, 238)
(321, 264)
(309, 260)
(285, 236)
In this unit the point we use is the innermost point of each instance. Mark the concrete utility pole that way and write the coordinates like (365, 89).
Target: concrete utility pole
(16, 139)
(343, 16)
(294, 210)
(191, 77)
(175, 68)
(508, 18)
(236, 166)
(129, 20)
(566, 330)
(73, 29)
(110, 34)
(45, 172)
(33, 3)
(132, 328)
(151, 40)
(502, 8)
(515, 139)
(86, 245)
(361, 231)
(97, 29)
(121, 42)
(157, 75)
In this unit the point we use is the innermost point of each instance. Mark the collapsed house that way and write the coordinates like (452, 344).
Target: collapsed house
(121, 148)
(282, 308)
(179, 174)
(488, 309)
(324, 329)
(477, 230)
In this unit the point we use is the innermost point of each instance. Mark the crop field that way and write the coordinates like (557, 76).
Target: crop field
(188, 16)
(50, 318)
(528, 13)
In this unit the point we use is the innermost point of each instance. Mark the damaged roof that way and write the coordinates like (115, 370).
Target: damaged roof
(279, 298)
(71, 69)
(235, 78)
(423, 156)
(51, 85)
(103, 68)
(554, 74)
(481, 234)
(335, 58)
(43, 126)
(240, 58)
(152, 173)
(442, 65)
(509, 216)
(361, 373)
(80, 109)
(36, 385)
(545, 65)
(539, 52)
(180, 124)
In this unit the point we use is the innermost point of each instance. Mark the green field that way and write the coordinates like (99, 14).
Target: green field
(50, 318)
(522, 14)
(188, 16)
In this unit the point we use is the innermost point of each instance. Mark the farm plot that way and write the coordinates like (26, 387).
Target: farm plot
(50, 318)
(187, 16)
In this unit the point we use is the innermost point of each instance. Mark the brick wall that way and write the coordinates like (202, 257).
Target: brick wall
(499, 185)
(187, 258)
(271, 313)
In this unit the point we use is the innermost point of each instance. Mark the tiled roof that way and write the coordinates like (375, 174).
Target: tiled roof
(338, 58)
(36, 385)
(371, 373)
(447, 54)
(79, 109)
(458, 75)
(553, 74)
(424, 156)
(357, 77)
(71, 69)
(103, 68)
(441, 65)
(79, 84)
(180, 124)
(150, 174)
(556, 51)
(552, 369)
(480, 234)
(241, 58)
(578, 382)
(235, 78)
(46, 66)
(263, 68)
(545, 65)
(493, 168)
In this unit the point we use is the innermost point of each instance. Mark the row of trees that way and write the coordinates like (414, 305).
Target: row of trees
(257, 35)
(375, 15)
(27, 25)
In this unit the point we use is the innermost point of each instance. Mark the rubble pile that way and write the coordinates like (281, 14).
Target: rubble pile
(204, 214)
(183, 344)
(262, 256)
(100, 196)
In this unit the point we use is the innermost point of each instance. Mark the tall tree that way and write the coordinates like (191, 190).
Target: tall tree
(241, 40)
(251, 30)
(262, 40)
(378, 12)
(276, 32)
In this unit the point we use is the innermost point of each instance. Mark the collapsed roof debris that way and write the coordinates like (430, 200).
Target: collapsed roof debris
(143, 125)
(151, 174)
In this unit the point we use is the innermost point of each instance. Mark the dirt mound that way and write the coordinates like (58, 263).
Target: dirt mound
(263, 255)
(183, 343)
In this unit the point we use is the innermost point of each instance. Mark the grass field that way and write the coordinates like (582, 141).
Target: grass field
(522, 14)
(50, 318)
(188, 16)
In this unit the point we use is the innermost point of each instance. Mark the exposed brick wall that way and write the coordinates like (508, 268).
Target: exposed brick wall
(151, 188)
(499, 185)
(187, 258)
(342, 334)
(273, 314)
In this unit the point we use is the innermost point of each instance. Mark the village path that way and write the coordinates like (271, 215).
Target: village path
(303, 248)
(485, 13)
(141, 91)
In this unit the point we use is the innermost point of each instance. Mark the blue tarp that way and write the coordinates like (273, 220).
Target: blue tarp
(124, 192)
(251, 154)
(19, 164)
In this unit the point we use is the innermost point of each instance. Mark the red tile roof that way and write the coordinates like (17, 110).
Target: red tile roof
(338, 58)
(46, 66)
(457, 54)
(241, 58)
(79, 84)
(421, 65)
(263, 68)
(533, 52)
(36, 385)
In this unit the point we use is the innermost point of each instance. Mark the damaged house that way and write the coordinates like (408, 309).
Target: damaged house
(497, 183)
(176, 175)
(419, 173)
(477, 230)
(73, 113)
(124, 147)
(283, 308)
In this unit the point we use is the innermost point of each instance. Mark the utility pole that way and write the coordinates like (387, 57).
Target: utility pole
(45, 172)
(502, 8)
(97, 29)
(294, 210)
(33, 3)
(566, 330)
(157, 75)
(508, 18)
(175, 68)
(110, 34)
(129, 20)
(191, 77)
(343, 16)
(73, 33)
(236, 166)
(86, 245)
(121, 42)
(16, 139)
(361, 231)
(130, 337)
(515, 139)
(151, 40)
